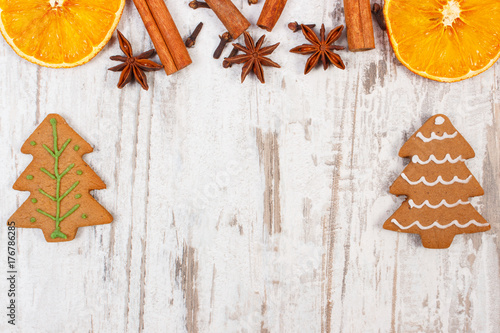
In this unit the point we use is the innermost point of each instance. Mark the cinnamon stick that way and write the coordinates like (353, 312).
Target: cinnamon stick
(230, 16)
(164, 34)
(270, 14)
(156, 37)
(169, 32)
(359, 25)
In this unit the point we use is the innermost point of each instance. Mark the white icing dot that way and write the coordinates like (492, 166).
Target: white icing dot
(439, 120)
(415, 159)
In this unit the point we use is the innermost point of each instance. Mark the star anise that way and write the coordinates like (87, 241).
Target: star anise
(254, 57)
(133, 67)
(321, 48)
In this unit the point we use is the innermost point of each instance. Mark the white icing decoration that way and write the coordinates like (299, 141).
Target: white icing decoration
(447, 158)
(442, 203)
(439, 120)
(437, 225)
(434, 136)
(437, 181)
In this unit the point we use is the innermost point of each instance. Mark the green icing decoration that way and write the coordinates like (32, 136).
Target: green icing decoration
(29, 177)
(34, 200)
(32, 219)
(57, 233)
(76, 147)
(33, 143)
(79, 172)
(57, 176)
(84, 216)
(78, 196)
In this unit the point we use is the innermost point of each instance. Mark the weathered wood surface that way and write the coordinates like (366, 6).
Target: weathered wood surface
(249, 207)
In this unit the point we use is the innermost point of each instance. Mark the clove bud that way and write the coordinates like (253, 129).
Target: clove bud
(224, 39)
(378, 13)
(227, 64)
(191, 40)
(198, 4)
(295, 27)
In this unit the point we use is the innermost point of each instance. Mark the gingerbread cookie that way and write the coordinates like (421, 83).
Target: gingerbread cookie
(438, 185)
(59, 181)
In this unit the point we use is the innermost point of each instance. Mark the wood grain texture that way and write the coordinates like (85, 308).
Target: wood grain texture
(250, 207)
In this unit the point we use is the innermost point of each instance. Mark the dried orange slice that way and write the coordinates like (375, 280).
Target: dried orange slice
(444, 40)
(59, 33)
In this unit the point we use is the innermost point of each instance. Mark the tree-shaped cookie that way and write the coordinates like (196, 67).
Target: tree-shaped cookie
(60, 183)
(438, 185)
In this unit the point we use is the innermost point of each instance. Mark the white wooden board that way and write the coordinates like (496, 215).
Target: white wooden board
(249, 207)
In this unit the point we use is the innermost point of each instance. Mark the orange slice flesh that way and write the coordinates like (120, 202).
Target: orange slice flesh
(59, 33)
(444, 40)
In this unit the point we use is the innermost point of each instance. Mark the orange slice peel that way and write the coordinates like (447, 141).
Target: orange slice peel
(59, 33)
(444, 40)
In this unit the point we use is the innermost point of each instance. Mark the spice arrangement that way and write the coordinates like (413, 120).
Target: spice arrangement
(446, 41)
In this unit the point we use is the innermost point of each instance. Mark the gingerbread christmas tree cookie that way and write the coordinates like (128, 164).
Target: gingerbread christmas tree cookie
(59, 182)
(438, 186)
